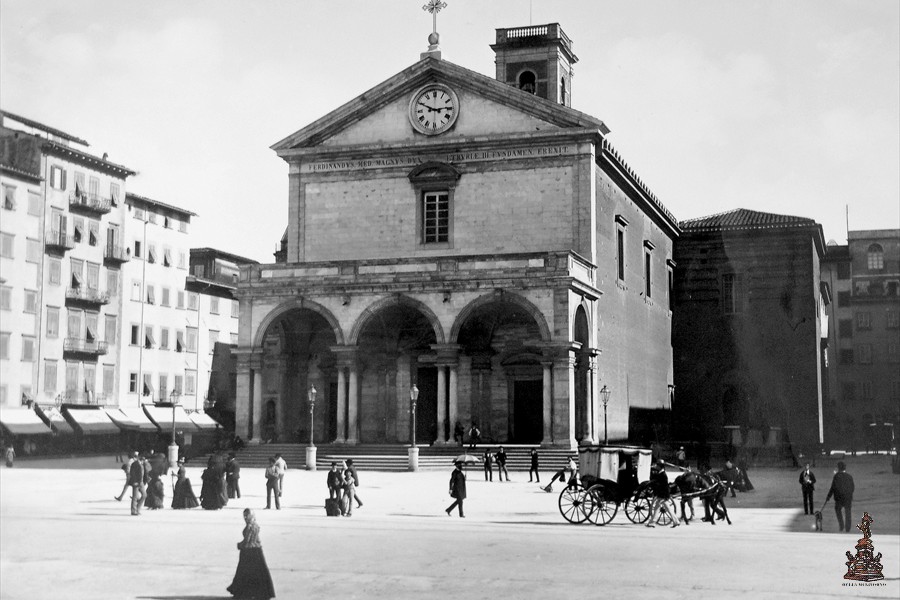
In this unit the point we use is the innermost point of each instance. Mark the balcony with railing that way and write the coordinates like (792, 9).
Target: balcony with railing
(59, 241)
(113, 254)
(89, 398)
(84, 346)
(86, 295)
(89, 203)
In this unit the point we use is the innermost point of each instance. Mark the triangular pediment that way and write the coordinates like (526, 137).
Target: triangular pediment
(487, 107)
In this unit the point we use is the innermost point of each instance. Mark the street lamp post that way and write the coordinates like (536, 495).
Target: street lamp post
(311, 449)
(604, 397)
(413, 449)
(173, 446)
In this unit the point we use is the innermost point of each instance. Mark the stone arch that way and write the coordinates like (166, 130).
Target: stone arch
(294, 304)
(500, 296)
(397, 299)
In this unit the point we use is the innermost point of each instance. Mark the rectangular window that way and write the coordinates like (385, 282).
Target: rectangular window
(163, 387)
(109, 379)
(149, 340)
(846, 356)
(77, 267)
(5, 297)
(179, 341)
(235, 308)
(892, 318)
(164, 300)
(843, 270)
(74, 324)
(112, 282)
(190, 382)
(90, 376)
(52, 322)
(213, 305)
(27, 348)
(233, 339)
(109, 329)
(647, 280)
(71, 377)
(620, 253)
(79, 183)
(78, 230)
(9, 197)
(151, 217)
(6, 245)
(93, 232)
(139, 213)
(93, 276)
(843, 299)
(57, 178)
(191, 339)
(182, 227)
(32, 251)
(178, 384)
(148, 385)
(180, 303)
(167, 257)
(91, 326)
(136, 291)
(863, 321)
(182, 260)
(213, 338)
(135, 335)
(55, 277)
(94, 188)
(114, 193)
(30, 301)
(670, 287)
(50, 375)
(893, 352)
(133, 383)
(845, 328)
(34, 204)
(732, 293)
(151, 253)
(193, 301)
(163, 339)
(864, 353)
(866, 388)
(151, 294)
(137, 248)
(435, 217)
(4, 344)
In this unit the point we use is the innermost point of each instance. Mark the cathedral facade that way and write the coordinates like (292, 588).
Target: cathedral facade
(473, 239)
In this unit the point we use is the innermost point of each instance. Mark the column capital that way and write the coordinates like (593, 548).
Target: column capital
(248, 358)
(447, 354)
(345, 356)
(558, 350)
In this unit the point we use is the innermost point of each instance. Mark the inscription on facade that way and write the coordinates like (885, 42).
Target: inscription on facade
(453, 157)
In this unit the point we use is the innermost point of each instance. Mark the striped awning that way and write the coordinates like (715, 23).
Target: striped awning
(131, 419)
(204, 421)
(54, 418)
(162, 416)
(90, 421)
(22, 421)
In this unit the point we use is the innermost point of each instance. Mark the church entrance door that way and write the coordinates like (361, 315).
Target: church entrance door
(528, 409)
(426, 406)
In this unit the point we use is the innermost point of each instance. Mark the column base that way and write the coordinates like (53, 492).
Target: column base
(311, 458)
(413, 453)
(350, 442)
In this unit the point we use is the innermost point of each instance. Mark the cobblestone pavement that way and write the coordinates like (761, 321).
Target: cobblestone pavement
(62, 535)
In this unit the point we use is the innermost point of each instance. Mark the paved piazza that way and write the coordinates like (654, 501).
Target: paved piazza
(62, 535)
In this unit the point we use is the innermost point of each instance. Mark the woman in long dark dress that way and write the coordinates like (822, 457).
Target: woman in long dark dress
(156, 493)
(252, 578)
(183, 496)
(209, 492)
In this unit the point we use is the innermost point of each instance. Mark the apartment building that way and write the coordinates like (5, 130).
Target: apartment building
(66, 225)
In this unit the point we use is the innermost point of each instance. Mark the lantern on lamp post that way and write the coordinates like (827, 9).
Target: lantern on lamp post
(311, 449)
(413, 449)
(604, 397)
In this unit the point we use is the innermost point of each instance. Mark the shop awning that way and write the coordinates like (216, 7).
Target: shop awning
(54, 418)
(90, 421)
(131, 419)
(162, 416)
(204, 421)
(22, 421)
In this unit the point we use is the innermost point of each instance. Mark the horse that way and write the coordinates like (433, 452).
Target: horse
(710, 488)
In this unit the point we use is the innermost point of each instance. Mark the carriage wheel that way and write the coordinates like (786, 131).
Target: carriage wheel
(575, 504)
(664, 519)
(637, 509)
(605, 506)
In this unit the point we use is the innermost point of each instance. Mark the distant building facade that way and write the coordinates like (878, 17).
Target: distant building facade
(473, 241)
(750, 330)
(863, 398)
(66, 228)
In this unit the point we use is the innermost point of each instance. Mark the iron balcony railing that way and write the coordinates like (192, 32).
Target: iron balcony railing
(59, 240)
(89, 203)
(117, 254)
(81, 397)
(83, 294)
(84, 346)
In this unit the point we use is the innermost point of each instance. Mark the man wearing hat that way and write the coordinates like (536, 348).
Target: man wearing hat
(681, 457)
(233, 476)
(842, 489)
(457, 489)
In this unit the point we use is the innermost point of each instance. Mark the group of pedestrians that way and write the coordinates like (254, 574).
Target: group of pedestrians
(143, 476)
(342, 481)
(490, 459)
(842, 488)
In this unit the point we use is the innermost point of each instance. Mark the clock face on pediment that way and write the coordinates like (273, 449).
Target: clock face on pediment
(433, 109)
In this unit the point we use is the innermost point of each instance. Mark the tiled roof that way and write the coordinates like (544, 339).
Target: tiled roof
(741, 218)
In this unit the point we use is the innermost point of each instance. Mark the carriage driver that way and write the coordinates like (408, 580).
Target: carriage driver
(659, 483)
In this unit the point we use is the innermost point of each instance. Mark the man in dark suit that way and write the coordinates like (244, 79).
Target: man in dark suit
(457, 489)
(842, 489)
(501, 464)
(233, 476)
(352, 470)
(136, 481)
(807, 485)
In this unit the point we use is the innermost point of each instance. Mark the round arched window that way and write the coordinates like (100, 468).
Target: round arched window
(528, 81)
(875, 257)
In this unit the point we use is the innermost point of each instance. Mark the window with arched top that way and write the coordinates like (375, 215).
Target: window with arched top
(875, 256)
(528, 81)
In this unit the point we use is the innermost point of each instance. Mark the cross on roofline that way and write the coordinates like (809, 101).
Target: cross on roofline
(434, 7)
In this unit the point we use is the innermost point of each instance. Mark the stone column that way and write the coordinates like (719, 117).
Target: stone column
(447, 357)
(341, 405)
(256, 377)
(244, 391)
(564, 395)
(548, 403)
(454, 400)
(353, 406)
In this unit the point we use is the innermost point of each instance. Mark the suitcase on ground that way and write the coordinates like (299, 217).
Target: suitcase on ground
(332, 509)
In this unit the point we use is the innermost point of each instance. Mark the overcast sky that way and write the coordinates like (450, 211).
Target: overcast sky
(789, 106)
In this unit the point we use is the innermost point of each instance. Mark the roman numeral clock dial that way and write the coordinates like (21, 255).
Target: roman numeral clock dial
(433, 109)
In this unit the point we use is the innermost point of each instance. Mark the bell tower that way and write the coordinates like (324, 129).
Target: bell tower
(537, 59)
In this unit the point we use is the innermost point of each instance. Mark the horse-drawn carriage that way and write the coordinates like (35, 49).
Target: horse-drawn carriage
(612, 476)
